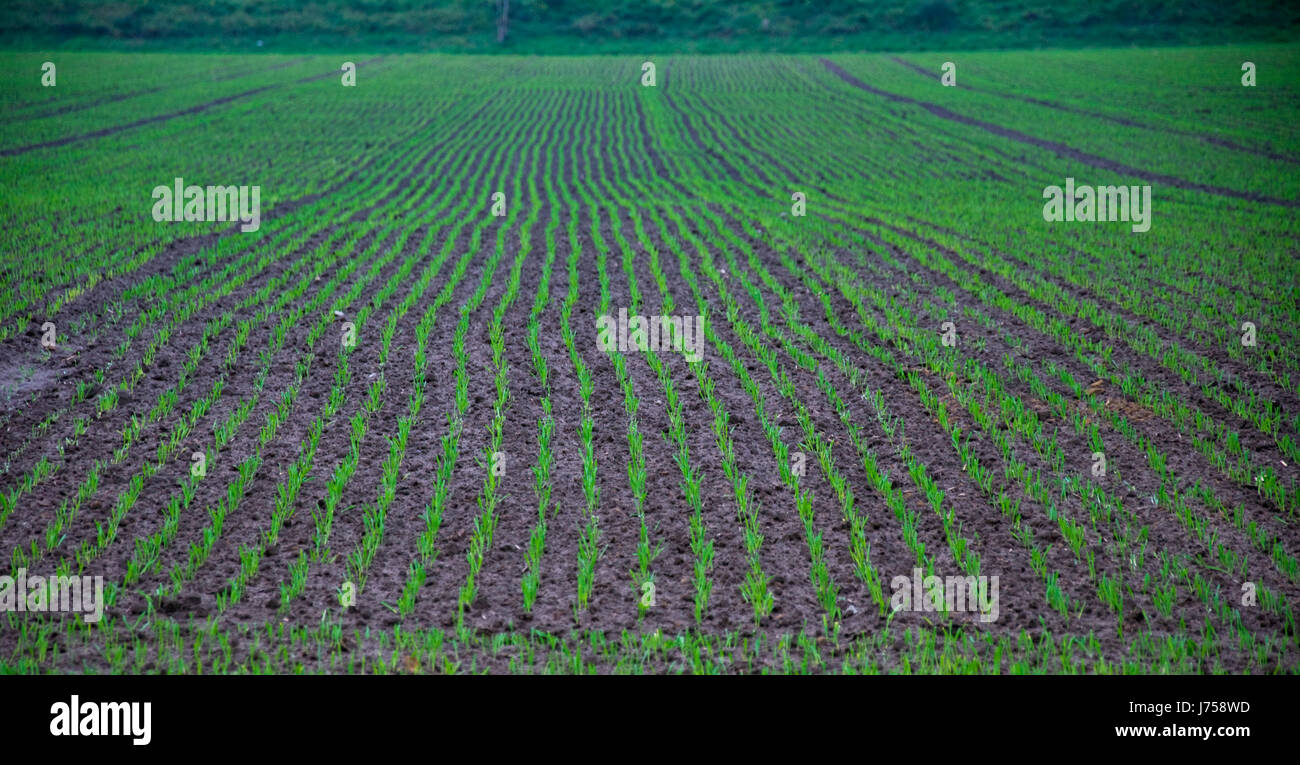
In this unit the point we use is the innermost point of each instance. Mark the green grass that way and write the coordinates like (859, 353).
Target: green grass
(624, 26)
(371, 467)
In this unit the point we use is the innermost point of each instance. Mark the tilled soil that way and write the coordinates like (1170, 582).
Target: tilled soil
(184, 594)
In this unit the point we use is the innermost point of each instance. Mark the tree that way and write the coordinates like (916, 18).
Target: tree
(503, 21)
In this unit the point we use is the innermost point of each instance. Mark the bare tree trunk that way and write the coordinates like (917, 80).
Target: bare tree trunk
(503, 23)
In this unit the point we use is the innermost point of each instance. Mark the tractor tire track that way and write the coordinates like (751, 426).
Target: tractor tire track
(1214, 140)
(196, 109)
(1059, 148)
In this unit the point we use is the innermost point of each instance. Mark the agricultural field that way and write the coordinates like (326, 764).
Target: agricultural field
(651, 364)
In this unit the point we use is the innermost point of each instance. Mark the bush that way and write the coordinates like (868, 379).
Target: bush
(935, 15)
